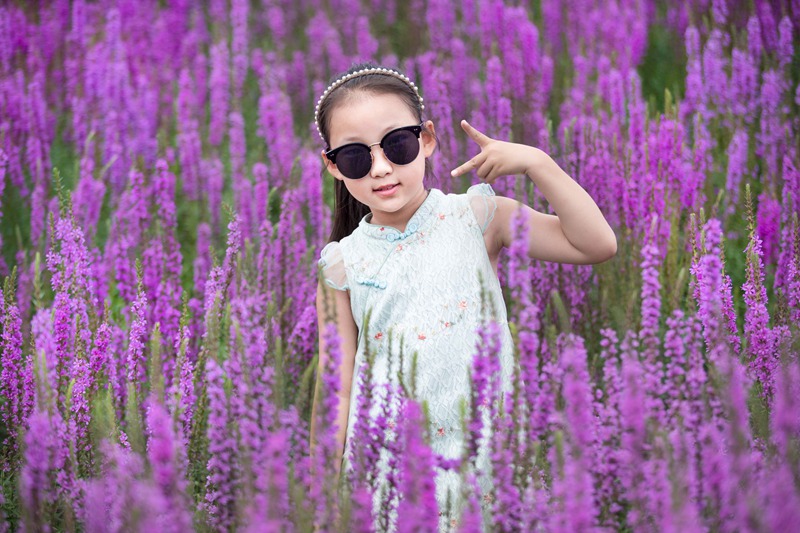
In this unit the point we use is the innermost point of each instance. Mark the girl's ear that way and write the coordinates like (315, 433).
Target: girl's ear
(330, 167)
(428, 137)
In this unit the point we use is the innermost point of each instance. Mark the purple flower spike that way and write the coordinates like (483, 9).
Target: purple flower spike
(162, 453)
(136, 358)
(222, 468)
(16, 372)
(418, 509)
(761, 350)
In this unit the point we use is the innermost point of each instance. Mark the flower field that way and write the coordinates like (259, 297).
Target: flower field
(163, 210)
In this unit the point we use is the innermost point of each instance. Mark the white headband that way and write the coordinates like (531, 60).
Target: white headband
(356, 74)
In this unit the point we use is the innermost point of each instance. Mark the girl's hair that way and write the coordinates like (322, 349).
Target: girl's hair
(348, 211)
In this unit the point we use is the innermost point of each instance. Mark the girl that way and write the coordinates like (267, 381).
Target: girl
(416, 259)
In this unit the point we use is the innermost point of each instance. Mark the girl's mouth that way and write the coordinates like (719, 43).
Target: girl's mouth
(386, 190)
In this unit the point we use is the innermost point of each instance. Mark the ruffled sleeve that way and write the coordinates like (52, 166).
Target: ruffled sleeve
(482, 202)
(331, 267)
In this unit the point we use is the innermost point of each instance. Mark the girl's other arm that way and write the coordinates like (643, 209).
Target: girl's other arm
(578, 234)
(338, 301)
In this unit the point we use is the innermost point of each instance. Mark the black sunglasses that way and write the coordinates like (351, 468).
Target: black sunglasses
(400, 146)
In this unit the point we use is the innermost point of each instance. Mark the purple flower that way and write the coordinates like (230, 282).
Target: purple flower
(769, 32)
(16, 372)
(3, 172)
(367, 435)
(484, 374)
(98, 360)
(418, 509)
(770, 143)
(737, 168)
(36, 483)
(183, 387)
(769, 225)
(219, 100)
(85, 204)
(324, 457)
(649, 333)
(785, 49)
(163, 451)
(574, 486)
(361, 520)
(760, 350)
(441, 20)
(189, 149)
(136, 357)
(271, 505)
(239, 45)
(633, 414)
(64, 351)
(222, 466)
(47, 473)
(694, 98)
(608, 428)
(83, 385)
(366, 44)
(122, 498)
(276, 127)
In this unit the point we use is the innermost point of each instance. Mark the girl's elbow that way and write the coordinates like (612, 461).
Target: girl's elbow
(603, 250)
(608, 250)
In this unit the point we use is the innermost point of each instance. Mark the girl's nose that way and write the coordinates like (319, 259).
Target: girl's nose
(380, 165)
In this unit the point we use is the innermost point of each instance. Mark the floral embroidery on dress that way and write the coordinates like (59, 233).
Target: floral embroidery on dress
(440, 432)
(379, 336)
(421, 336)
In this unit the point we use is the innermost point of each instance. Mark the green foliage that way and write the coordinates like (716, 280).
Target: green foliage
(662, 68)
(156, 375)
(134, 423)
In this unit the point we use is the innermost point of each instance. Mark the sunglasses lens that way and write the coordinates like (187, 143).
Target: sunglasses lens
(354, 162)
(401, 147)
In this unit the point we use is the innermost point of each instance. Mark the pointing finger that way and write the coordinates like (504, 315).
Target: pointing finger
(473, 163)
(474, 134)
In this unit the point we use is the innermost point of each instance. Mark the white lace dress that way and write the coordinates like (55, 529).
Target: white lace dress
(423, 289)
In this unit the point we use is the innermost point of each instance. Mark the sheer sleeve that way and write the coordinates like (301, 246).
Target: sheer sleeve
(331, 267)
(482, 202)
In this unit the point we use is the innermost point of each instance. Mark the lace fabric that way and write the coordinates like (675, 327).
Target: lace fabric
(331, 267)
(481, 201)
(483, 204)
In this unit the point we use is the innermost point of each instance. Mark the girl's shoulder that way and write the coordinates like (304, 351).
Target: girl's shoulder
(331, 266)
(480, 201)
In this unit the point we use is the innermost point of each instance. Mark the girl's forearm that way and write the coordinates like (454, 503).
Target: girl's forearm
(341, 428)
(581, 220)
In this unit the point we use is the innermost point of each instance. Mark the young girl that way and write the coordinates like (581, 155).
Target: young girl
(416, 260)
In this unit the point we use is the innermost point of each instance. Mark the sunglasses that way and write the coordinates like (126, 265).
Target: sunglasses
(354, 160)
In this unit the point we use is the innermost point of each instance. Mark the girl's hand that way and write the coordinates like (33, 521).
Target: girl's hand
(497, 158)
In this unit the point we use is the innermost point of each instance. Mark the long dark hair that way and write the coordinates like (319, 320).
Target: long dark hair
(348, 211)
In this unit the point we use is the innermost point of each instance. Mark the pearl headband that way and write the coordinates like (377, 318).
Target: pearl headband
(363, 72)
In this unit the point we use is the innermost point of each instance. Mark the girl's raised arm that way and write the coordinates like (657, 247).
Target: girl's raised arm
(337, 302)
(578, 234)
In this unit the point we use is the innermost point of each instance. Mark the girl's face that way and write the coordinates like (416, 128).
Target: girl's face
(392, 192)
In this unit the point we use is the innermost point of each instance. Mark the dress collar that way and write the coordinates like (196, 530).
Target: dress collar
(423, 213)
